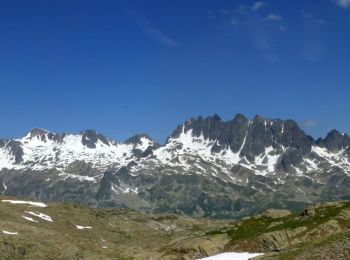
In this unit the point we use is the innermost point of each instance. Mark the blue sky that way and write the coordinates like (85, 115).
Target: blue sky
(125, 67)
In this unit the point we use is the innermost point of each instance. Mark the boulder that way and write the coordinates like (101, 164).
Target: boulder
(309, 212)
(279, 240)
(325, 229)
(344, 214)
(199, 246)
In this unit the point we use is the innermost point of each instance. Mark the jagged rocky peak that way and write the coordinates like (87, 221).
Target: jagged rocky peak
(38, 133)
(15, 149)
(265, 132)
(90, 138)
(140, 139)
(294, 136)
(249, 137)
(335, 141)
(43, 135)
(233, 133)
(208, 127)
(143, 144)
(240, 119)
(2, 143)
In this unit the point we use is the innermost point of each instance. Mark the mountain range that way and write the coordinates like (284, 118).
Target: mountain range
(207, 167)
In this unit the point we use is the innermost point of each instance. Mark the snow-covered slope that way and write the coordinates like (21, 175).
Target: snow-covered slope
(275, 153)
(40, 150)
(189, 148)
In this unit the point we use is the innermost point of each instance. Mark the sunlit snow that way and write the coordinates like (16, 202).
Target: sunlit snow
(40, 215)
(43, 154)
(9, 233)
(233, 256)
(32, 203)
(145, 143)
(187, 151)
(82, 227)
(29, 219)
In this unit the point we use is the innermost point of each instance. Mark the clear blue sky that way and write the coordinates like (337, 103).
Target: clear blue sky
(124, 67)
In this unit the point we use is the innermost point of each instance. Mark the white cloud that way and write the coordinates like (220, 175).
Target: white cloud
(158, 36)
(282, 28)
(343, 3)
(153, 32)
(273, 17)
(321, 21)
(257, 5)
(261, 34)
(308, 16)
(234, 21)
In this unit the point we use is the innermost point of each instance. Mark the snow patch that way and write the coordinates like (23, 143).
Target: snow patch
(40, 154)
(267, 159)
(32, 203)
(180, 151)
(40, 215)
(124, 189)
(9, 233)
(5, 187)
(29, 219)
(82, 227)
(6, 159)
(145, 143)
(334, 159)
(78, 177)
(233, 256)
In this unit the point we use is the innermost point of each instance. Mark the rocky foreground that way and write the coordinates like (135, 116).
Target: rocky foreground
(33, 230)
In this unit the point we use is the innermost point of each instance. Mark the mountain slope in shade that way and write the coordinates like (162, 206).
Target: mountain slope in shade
(207, 167)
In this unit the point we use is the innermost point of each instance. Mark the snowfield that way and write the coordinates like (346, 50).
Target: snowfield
(29, 219)
(9, 233)
(40, 215)
(32, 203)
(232, 256)
(82, 227)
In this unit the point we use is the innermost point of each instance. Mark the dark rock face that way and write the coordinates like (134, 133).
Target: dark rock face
(136, 139)
(15, 148)
(44, 135)
(293, 136)
(252, 137)
(90, 138)
(291, 158)
(228, 134)
(41, 133)
(2, 143)
(334, 141)
(210, 127)
(104, 192)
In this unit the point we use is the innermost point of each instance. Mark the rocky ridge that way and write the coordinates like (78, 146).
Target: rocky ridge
(207, 167)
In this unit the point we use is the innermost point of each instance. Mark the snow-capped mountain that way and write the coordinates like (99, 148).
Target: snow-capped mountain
(40, 150)
(206, 167)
